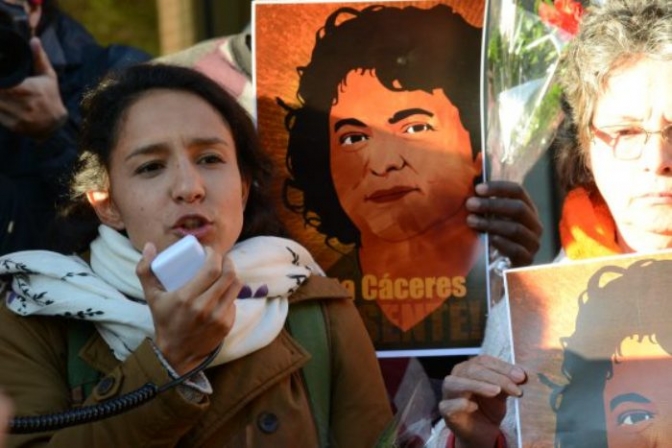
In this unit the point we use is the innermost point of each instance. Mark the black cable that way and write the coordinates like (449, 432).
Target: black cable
(99, 411)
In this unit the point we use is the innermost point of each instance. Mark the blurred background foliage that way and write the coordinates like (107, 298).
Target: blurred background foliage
(131, 22)
(137, 22)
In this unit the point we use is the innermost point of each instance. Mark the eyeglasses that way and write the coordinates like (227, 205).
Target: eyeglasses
(628, 141)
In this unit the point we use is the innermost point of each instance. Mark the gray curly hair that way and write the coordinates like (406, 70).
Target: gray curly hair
(610, 36)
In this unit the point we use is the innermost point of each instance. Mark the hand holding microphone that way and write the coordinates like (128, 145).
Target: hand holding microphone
(191, 293)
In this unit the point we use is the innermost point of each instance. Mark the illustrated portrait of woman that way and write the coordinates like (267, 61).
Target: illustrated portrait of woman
(383, 150)
(618, 392)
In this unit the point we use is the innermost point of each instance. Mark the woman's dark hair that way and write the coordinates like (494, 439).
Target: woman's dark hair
(409, 49)
(104, 109)
(604, 320)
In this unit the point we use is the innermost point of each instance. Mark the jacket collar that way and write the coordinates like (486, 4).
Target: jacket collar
(319, 287)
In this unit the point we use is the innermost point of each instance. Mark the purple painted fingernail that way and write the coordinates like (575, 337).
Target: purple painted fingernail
(245, 292)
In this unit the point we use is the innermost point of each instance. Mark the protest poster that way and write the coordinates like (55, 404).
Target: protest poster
(595, 339)
(371, 111)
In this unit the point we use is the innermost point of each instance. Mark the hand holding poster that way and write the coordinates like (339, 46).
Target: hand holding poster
(596, 342)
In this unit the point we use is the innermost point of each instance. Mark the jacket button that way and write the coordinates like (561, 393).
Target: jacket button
(268, 422)
(105, 385)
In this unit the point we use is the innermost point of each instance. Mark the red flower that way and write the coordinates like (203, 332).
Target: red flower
(564, 14)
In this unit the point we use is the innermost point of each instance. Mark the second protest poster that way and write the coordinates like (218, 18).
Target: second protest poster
(595, 340)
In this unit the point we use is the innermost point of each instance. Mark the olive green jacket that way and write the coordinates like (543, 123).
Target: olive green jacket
(259, 400)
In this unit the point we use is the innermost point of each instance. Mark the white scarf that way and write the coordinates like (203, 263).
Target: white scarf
(51, 284)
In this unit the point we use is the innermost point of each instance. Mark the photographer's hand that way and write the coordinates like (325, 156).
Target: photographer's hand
(34, 108)
(191, 321)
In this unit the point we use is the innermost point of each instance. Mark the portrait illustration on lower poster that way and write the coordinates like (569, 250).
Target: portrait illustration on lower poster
(596, 341)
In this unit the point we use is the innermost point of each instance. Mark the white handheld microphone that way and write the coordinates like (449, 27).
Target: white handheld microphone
(179, 262)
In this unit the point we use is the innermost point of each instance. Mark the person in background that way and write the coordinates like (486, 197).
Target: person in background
(617, 80)
(40, 120)
(225, 59)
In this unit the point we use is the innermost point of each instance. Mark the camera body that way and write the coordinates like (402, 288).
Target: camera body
(16, 57)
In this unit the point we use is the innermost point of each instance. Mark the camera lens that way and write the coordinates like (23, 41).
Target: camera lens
(15, 58)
